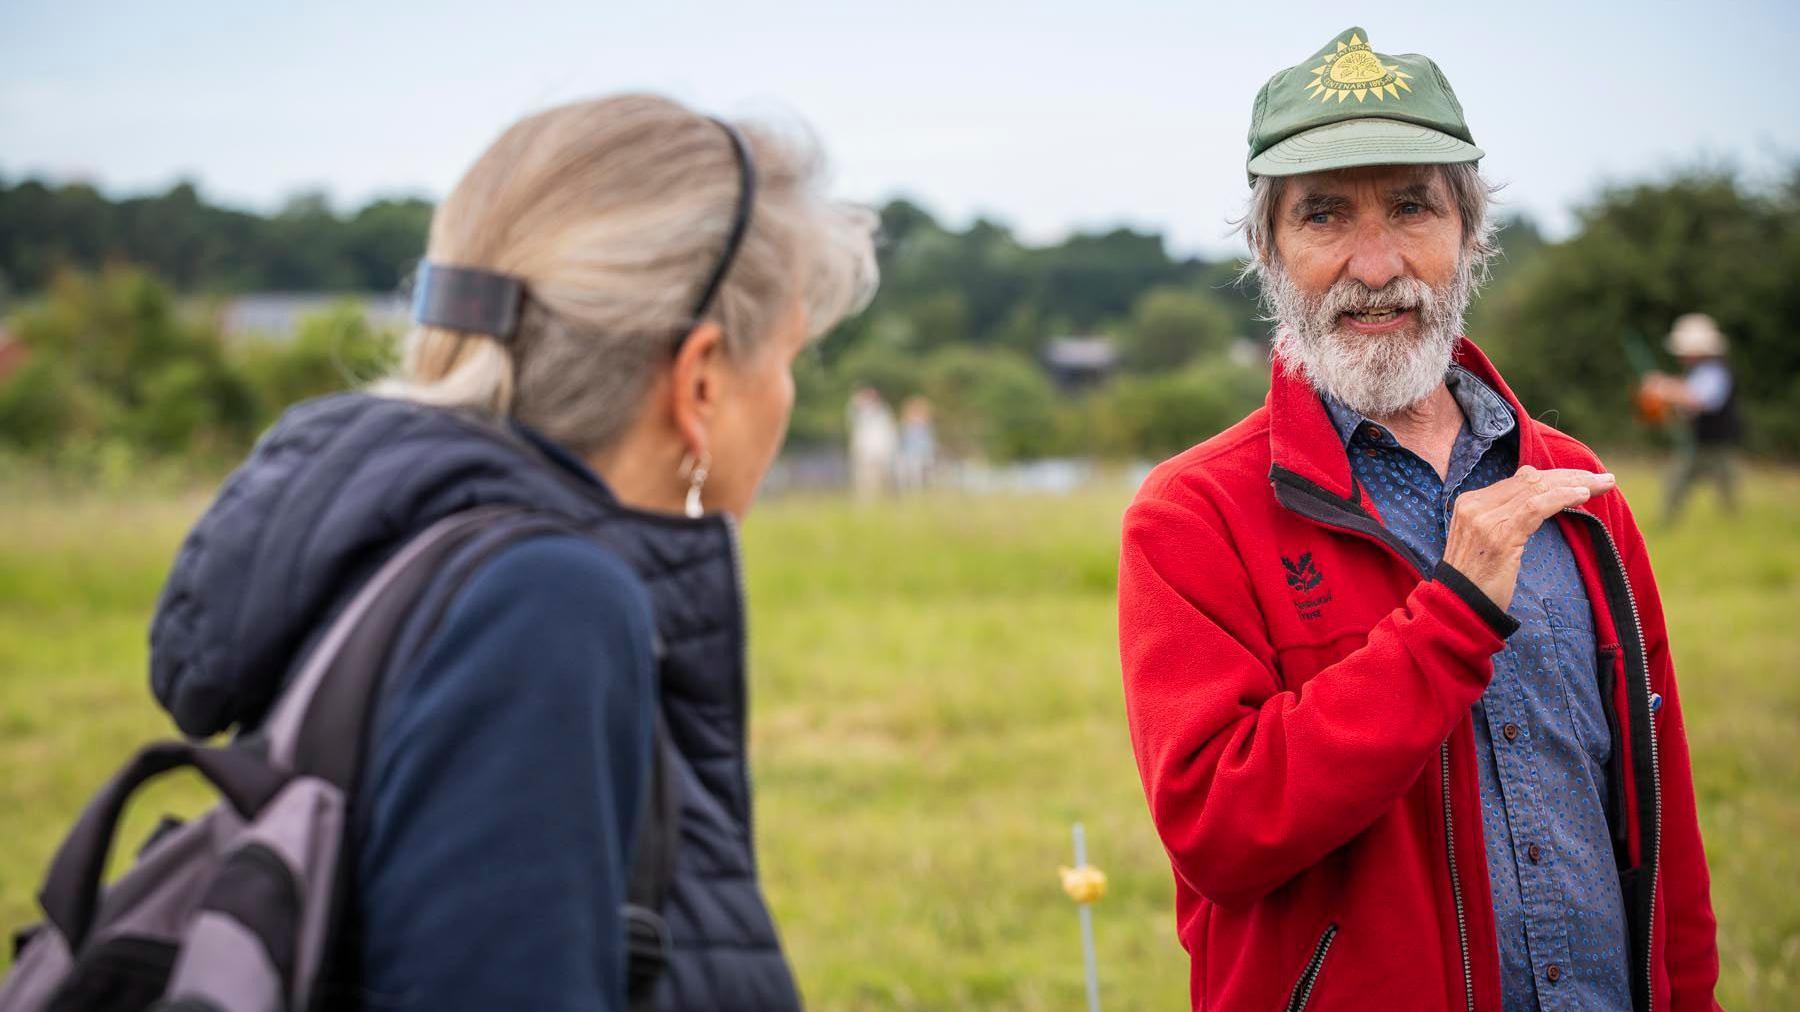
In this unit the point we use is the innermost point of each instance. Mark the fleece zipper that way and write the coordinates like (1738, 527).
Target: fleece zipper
(1309, 978)
(1647, 768)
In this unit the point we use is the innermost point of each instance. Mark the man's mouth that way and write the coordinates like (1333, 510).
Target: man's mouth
(1376, 320)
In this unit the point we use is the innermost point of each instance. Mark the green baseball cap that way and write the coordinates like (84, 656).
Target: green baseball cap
(1350, 106)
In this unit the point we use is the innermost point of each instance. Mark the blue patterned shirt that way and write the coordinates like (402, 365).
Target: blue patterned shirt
(1542, 741)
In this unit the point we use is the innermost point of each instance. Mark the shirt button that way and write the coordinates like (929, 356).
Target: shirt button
(1534, 853)
(1372, 451)
(1511, 731)
(1553, 973)
(1372, 431)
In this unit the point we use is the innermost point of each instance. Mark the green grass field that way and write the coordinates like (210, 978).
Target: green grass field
(936, 699)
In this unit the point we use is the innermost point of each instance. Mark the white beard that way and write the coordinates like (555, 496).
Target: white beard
(1380, 375)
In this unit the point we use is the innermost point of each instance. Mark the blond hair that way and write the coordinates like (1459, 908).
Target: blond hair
(614, 212)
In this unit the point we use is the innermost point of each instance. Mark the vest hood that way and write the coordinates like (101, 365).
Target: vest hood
(326, 495)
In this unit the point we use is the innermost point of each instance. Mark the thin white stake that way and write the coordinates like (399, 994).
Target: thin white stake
(1087, 928)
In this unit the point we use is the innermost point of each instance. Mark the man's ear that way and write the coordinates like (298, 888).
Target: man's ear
(695, 384)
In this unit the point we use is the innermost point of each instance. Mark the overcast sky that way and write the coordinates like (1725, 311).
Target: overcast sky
(1048, 116)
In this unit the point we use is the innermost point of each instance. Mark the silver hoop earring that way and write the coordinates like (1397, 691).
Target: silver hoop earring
(695, 472)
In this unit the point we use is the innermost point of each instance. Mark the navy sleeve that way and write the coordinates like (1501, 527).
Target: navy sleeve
(508, 766)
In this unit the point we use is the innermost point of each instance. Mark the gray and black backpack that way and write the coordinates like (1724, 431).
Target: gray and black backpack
(248, 908)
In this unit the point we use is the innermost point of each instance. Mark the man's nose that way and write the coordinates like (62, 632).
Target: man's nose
(1375, 259)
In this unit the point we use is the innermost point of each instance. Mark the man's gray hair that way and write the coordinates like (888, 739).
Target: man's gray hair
(1472, 194)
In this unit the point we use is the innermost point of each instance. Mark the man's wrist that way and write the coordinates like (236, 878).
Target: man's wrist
(1494, 615)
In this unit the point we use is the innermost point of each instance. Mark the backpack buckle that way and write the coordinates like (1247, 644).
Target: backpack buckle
(648, 948)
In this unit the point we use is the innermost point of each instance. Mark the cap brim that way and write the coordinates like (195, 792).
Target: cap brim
(1364, 141)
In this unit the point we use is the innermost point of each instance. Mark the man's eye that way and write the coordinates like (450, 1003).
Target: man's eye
(1411, 207)
(1319, 218)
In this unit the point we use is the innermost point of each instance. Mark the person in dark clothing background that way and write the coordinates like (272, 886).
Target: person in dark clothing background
(1705, 395)
(613, 298)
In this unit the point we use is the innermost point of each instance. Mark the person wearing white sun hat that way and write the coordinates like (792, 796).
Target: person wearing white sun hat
(1706, 397)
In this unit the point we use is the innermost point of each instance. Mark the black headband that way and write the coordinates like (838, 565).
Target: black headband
(478, 301)
(740, 219)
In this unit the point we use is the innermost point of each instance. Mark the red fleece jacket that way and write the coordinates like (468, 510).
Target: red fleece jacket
(1299, 694)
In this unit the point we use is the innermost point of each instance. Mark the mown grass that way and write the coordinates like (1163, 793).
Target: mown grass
(935, 700)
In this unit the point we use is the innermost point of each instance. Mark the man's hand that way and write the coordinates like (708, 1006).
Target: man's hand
(1490, 526)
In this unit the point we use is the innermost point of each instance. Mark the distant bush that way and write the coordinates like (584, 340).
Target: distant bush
(333, 350)
(40, 404)
(994, 404)
(115, 375)
(1169, 327)
(1153, 417)
(110, 361)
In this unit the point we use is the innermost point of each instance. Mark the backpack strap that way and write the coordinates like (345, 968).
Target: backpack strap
(330, 701)
(323, 729)
(334, 699)
(648, 944)
(71, 892)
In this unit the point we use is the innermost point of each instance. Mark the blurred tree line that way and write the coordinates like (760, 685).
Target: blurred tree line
(104, 296)
(197, 247)
(963, 317)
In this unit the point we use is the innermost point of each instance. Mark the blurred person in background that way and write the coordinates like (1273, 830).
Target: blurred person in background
(663, 271)
(1705, 397)
(1395, 665)
(918, 445)
(874, 441)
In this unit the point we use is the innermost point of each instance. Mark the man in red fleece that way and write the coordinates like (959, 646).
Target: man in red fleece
(1395, 664)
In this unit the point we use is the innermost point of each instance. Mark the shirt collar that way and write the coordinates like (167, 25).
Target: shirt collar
(1485, 411)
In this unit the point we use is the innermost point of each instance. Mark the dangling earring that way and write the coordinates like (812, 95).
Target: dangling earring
(694, 470)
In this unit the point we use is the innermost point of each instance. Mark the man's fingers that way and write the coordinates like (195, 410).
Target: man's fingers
(1530, 481)
(1547, 503)
(1531, 495)
(1595, 482)
(1575, 476)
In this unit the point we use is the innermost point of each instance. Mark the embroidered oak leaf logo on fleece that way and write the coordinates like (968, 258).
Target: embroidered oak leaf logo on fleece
(1302, 575)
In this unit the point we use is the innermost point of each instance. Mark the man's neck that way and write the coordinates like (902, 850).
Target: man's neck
(1428, 428)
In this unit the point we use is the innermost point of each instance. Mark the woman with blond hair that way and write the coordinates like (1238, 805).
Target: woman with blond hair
(611, 303)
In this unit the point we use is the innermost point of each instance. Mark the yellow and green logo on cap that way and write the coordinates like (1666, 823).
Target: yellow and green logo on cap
(1355, 70)
(1349, 105)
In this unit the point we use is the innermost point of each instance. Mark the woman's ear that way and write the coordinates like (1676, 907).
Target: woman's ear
(696, 384)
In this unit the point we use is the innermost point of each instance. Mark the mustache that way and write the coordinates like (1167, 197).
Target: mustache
(1352, 296)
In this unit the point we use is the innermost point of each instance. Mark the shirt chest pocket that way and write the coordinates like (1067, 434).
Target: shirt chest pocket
(1571, 626)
